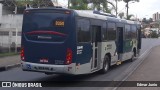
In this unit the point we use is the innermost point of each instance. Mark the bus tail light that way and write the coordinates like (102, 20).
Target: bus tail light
(22, 53)
(69, 56)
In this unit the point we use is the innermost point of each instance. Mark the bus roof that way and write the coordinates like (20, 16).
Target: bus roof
(90, 14)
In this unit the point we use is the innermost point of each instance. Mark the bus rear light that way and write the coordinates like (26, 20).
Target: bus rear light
(22, 54)
(69, 56)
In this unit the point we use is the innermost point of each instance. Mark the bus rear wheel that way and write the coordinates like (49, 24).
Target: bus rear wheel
(105, 65)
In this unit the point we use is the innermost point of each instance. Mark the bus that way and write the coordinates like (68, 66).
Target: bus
(64, 41)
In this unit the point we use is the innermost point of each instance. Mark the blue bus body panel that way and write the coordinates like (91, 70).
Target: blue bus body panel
(84, 54)
(55, 53)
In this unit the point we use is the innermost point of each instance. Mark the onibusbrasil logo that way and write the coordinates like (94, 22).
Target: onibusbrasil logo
(20, 84)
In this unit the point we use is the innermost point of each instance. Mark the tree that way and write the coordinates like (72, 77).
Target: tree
(97, 4)
(42, 3)
(121, 15)
(82, 5)
(127, 2)
(144, 20)
(150, 20)
(22, 3)
(147, 21)
(130, 16)
(78, 4)
(153, 34)
(33, 3)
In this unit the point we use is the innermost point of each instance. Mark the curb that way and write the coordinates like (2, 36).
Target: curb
(8, 67)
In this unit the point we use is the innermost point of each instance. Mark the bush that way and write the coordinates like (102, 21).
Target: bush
(154, 34)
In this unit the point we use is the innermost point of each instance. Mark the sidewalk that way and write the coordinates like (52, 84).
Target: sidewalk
(149, 70)
(8, 62)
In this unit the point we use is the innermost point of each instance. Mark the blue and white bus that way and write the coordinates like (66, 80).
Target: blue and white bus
(63, 41)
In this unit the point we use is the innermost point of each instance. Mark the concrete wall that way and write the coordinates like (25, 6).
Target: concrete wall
(10, 23)
(6, 41)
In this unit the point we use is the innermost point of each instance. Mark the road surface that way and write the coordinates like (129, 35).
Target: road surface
(17, 74)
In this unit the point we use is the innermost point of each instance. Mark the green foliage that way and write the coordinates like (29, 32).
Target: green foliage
(130, 16)
(144, 20)
(79, 4)
(108, 10)
(83, 5)
(97, 4)
(23, 2)
(126, 1)
(104, 3)
(38, 3)
(147, 21)
(8, 54)
(154, 34)
(121, 15)
(80, 7)
(150, 20)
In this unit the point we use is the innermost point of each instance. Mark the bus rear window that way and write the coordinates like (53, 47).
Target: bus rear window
(46, 21)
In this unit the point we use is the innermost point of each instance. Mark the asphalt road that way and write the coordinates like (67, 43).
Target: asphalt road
(17, 74)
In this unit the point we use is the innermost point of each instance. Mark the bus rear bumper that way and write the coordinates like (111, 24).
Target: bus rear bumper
(47, 68)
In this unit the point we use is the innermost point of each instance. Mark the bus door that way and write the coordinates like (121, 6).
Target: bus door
(120, 41)
(96, 43)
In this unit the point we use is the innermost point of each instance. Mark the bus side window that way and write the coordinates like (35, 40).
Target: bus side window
(130, 32)
(104, 29)
(127, 32)
(111, 31)
(83, 30)
(133, 31)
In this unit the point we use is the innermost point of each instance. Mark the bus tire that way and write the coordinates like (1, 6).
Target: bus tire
(105, 64)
